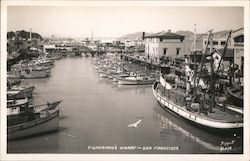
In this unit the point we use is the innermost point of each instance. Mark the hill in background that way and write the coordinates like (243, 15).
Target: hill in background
(133, 36)
(188, 34)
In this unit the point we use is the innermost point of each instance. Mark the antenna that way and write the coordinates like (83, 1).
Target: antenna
(91, 35)
(195, 39)
(30, 33)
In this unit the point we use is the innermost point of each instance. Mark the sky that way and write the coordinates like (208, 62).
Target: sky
(108, 21)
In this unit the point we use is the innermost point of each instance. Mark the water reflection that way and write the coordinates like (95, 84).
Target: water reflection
(170, 124)
(41, 143)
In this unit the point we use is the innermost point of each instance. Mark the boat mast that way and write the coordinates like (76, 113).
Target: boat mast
(224, 51)
(214, 74)
(196, 83)
(195, 39)
(194, 50)
(203, 58)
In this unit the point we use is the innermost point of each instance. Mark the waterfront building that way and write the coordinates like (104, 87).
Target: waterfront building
(235, 52)
(163, 44)
(218, 41)
(47, 48)
(238, 45)
(228, 58)
(129, 44)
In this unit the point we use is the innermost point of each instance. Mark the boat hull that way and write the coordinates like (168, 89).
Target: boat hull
(24, 92)
(194, 118)
(123, 81)
(234, 98)
(103, 75)
(38, 126)
(36, 74)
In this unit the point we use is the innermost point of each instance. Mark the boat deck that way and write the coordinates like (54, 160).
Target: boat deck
(224, 116)
(217, 114)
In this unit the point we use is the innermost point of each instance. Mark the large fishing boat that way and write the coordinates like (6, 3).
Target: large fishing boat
(182, 94)
(24, 120)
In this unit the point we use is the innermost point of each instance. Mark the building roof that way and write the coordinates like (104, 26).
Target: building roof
(240, 29)
(238, 32)
(166, 35)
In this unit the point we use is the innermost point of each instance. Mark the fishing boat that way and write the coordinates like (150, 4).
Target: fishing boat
(235, 99)
(13, 80)
(20, 92)
(103, 74)
(136, 79)
(24, 120)
(45, 61)
(200, 106)
(198, 112)
(120, 75)
(34, 73)
(53, 58)
(31, 72)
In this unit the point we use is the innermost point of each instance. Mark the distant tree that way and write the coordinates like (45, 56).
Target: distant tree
(10, 35)
(26, 35)
(36, 35)
(23, 34)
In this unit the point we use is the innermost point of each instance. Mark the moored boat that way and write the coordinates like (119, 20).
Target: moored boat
(103, 74)
(179, 102)
(37, 126)
(24, 120)
(121, 75)
(137, 79)
(32, 73)
(19, 92)
(236, 96)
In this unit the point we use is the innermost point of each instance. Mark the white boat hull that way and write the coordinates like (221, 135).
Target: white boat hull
(103, 75)
(211, 123)
(134, 82)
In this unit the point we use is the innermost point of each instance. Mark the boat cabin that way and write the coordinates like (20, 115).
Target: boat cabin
(15, 107)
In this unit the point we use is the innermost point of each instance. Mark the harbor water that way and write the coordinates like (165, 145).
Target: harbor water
(95, 114)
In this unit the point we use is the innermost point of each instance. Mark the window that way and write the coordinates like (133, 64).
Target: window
(215, 42)
(239, 39)
(178, 51)
(165, 51)
(223, 43)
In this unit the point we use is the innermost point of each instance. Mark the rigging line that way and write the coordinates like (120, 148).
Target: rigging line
(225, 48)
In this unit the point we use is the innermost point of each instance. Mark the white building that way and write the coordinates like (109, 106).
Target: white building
(218, 41)
(238, 45)
(163, 44)
(129, 43)
(49, 47)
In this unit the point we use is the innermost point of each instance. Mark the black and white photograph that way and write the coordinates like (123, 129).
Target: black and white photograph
(147, 79)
